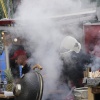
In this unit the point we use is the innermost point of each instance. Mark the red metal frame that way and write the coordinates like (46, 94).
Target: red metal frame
(6, 22)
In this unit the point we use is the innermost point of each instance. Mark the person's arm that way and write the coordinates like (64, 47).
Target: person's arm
(25, 69)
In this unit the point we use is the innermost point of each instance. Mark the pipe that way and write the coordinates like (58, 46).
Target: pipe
(7, 57)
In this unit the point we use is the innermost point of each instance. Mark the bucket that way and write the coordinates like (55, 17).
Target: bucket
(81, 93)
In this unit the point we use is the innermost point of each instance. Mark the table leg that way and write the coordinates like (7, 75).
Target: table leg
(90, 94)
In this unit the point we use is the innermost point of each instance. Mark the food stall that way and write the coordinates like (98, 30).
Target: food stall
(29, 85)
(92, 73)
(4, 60)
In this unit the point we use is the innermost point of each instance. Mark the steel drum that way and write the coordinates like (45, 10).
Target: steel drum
(30, 87)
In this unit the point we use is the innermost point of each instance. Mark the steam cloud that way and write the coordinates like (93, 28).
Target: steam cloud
(35, 22)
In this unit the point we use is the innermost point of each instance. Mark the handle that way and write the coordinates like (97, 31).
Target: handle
(37, 66)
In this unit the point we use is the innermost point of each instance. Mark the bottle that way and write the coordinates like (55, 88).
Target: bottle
(5, 83)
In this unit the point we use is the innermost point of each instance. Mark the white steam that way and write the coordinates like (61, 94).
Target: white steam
(43, 35)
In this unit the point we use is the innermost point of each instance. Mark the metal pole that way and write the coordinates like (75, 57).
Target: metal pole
(6, 51)
(7, 57)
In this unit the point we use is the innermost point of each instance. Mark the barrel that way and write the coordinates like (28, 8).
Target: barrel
(81, 93)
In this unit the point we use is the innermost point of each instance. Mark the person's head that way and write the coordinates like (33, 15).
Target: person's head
(20, 57)
(21, 60)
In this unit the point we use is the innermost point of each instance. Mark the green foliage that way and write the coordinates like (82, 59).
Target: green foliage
(9, 75)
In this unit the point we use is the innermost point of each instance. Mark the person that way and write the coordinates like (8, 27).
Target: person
(12, 60)
(35, 89)
(21, 58)
(73, 69)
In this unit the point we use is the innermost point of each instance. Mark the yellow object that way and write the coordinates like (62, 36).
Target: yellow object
(4, 8)
(9, 87)
(3, 33)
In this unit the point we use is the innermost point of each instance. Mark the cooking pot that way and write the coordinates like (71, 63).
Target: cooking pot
(30, 87)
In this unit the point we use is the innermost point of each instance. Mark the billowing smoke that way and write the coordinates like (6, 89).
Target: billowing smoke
(35, 21)
(95, 65)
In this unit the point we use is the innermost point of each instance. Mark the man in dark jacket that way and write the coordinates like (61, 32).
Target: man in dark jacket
(20, 57)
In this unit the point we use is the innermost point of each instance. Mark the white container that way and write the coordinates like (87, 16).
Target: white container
(81, 93)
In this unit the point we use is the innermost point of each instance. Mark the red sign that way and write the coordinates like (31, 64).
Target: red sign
(92, 39)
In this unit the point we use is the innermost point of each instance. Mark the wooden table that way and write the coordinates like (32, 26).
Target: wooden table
(2, 97)
(92, 92)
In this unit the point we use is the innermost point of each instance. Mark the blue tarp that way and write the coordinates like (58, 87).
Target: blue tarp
(2, 64)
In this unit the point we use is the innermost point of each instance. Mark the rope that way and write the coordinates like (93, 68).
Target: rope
(4, 8)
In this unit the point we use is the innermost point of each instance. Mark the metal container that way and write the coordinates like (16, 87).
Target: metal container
(30, 87)
(81, 93)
